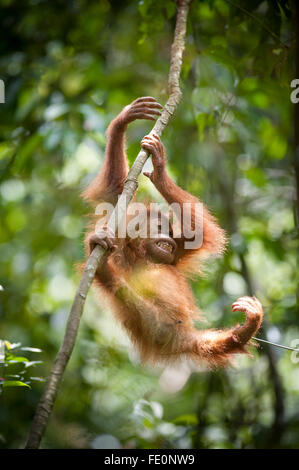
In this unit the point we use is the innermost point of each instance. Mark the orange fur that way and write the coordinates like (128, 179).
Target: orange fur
(153, 300)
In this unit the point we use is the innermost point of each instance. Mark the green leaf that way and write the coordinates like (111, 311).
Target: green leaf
(12, 345)
(6, 150)
(147, 423)
(143, 7)
(257, 176)
(188, 419)
(32, 363)
(14, 383)
(12, 359)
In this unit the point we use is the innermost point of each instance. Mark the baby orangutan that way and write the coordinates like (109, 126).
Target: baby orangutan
(146, 278)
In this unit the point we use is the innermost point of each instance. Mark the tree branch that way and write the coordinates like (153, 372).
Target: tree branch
(46, 402)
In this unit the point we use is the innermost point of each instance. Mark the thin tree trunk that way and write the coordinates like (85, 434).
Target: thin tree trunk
(46, 402)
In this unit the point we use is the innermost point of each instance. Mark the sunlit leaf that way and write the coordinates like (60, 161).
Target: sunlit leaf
(189, 420)
(28, 348)
(14, 383)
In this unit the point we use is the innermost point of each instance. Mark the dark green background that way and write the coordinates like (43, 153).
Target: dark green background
(69, 67)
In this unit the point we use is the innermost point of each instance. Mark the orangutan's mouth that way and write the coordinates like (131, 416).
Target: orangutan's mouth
(166, 245)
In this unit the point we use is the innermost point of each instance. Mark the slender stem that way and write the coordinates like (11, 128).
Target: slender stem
(275, 344)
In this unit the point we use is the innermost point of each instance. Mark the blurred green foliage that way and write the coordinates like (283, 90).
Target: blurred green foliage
(68, 68)
(14, 369)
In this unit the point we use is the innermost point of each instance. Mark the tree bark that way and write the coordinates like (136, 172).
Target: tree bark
(46, 402)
